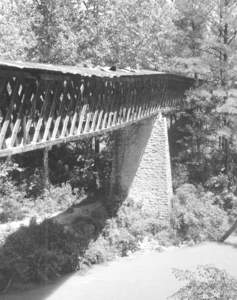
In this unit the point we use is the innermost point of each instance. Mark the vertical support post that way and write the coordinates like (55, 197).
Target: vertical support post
(46, 167)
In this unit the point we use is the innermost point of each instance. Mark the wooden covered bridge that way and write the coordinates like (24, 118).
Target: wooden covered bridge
(45, 105)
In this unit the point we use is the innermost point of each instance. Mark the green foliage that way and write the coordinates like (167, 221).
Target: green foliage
(53, 200)
(194, 138)
(44, 251)
(206, 39)
(122, 234)
(134, 217)
(79, 164)
(23, 198)
(224, 191)
(11, 197)
(207, 282)
(191, 28)
(195, 216)
(138, 31)
(98, 251)
(202, 141)
(76, 170)
(120, 238)
(125, 33)
(38, 252)
(17, 37)
(191, 36)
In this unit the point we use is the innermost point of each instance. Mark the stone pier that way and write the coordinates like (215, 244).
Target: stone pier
(141, 166)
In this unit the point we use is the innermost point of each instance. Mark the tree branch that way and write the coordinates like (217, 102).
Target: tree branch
(232, 38)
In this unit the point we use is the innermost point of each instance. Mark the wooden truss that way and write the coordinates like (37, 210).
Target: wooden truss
(42, 105)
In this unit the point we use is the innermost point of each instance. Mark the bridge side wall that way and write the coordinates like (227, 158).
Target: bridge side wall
(141, 166)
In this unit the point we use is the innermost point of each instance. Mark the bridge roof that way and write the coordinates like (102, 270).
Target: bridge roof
(105, 72)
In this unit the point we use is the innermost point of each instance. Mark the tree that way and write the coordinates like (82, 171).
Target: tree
(16, 35)
(194, 137)
(220, 40)
(140, 33)
(53, 28)
(206, 282)
(208, 29)
(191, 23)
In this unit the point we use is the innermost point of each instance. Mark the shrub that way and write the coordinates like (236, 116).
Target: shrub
(120, 237)
(11, 208)
(98, 251)
(134, 217)
(207, 282)
(195, 216)
(122, 234)
(12, 197)
(39, 252)
(224, 191)
(34, 183)
(55, 199)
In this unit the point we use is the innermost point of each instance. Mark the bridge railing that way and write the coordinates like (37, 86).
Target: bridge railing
(43, 105)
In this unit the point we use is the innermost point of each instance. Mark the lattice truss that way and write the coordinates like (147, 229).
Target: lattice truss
(39, 111)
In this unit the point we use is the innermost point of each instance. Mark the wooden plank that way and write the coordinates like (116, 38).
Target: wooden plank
(52, 110)
(59, 117)
(76, 113)
(139, 112)
(87, 125)
(128, 114)
(81, 118)
(68, 115)
(101, 105)
(110, 108)
(104, 123)
(32, 112)
(41, 118)
(50, 143)
(26, 94)
(99, 120)
(2, 86)
(73, 125)
(93, 125)
(114, 122)
(8, 115)
(110, 119)
(106, 103)
(23, 142)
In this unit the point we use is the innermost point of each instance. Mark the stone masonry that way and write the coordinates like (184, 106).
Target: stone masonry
(141, 166)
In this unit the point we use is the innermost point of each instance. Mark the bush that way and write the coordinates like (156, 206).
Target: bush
(224, 191)
(11, 208)
(19, 199)
(122, 234)
(55, 199)
(12, 197)
(195, 216)
(207, 282)
(98, 251)
(120, 238)
(39, 252)
(134, 217)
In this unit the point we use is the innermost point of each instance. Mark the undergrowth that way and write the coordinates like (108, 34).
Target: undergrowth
(207, 282)
(195, 216)
(41, 252)
(44, 251)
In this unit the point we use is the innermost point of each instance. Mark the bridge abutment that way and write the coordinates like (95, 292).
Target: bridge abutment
(141, 166)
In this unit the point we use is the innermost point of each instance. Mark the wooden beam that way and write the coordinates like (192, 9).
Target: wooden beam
(50, 143)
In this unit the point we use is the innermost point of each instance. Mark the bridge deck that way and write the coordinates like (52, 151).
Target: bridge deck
(43, 105)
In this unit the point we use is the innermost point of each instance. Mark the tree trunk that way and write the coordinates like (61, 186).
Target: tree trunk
(46, 168)
(228, 232)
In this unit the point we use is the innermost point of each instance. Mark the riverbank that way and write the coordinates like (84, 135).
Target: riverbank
(143, 275)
